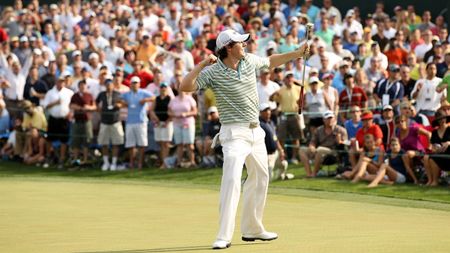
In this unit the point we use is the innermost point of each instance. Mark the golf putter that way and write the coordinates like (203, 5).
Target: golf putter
(309, 33)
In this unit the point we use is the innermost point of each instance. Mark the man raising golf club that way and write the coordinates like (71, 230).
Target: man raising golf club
(232, 77)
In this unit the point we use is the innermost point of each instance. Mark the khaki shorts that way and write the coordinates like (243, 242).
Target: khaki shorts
(111, 134)
(289, 128)
(164, 133)
(82, 134)
(136, 135)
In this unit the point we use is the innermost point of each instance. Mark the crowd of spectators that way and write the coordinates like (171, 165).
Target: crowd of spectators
(79, 76)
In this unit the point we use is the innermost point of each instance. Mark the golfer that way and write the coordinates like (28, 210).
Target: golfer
(232, 77)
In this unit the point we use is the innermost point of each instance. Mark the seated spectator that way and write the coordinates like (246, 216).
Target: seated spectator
(204, 145)
(275, 152)
(392, 172)
(4, 117)
(325, 141)
(82, 104)
(370, 160)
(7, 150)
(353, 124)
(34, 152)
(440, 157)
(368, 128)
(387, 124)
(163, 125)
(182, 110)
(136, 125)
(408, 136)
(111, 129)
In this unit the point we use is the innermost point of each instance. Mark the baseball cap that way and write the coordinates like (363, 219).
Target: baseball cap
(108, 81)
(293, 19)
(37, 51)
(23, 39)
(328, 114)
(263, 107)
(212, 109)
(387, 107)
(288, 73)
(313, 70)
(163, 84)
(135, 79)
(265, 70)
(313, 79)
(394, 68)
(343, 64)
(350, 13)
(93, 56)
(327, 75)
(76, 53)
(228, 36)
(26, 104)
(367, 115)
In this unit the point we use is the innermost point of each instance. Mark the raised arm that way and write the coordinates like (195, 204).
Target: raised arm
(280, 59)
(188, 83)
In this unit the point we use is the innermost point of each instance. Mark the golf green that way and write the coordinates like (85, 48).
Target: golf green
(90, 216)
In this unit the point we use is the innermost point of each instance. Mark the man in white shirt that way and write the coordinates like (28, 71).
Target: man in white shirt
(56, 102)
(351, 24)
(424, 92)
(266, 88)
(376, 53)
(422, 49)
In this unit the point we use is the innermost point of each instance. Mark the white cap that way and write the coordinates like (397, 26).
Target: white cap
(350, 12)
(77, 53)
(271, 45)
(264, 106)
(293, 19)
(289, 72)
(387, 107)
(313, 70)
(37, 51)
(66, 73)
(343, 63)
(212, 109)
(135, 79)
(53, 6)
(313, 79)
(23, 39)
(328, 114)
(228, 36)
(93, 56)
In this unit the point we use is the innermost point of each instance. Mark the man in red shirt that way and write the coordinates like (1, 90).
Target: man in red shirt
(82, 103)
(140, 72)
(351, 95)
(368, 128)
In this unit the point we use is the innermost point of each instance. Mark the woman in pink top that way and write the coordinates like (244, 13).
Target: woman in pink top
(183, 110)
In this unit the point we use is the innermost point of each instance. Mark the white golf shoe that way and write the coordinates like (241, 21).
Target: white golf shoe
(264, 236)
(221, 244)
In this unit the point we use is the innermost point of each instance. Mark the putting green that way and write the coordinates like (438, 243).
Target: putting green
(90, 216)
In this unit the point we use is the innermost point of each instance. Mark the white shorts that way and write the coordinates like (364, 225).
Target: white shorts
(136, 135)
(164, 133)
(110, 134)
(184, 135)
(401, 179)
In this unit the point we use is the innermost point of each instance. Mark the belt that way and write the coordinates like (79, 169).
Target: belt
(250, 125)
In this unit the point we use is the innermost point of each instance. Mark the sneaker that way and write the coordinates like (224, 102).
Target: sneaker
(45, 165)
(113, 167)
(105, 167)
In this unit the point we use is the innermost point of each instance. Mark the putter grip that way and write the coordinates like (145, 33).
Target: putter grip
(300, 100)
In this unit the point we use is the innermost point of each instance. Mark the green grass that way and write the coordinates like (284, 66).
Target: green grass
(210, 178)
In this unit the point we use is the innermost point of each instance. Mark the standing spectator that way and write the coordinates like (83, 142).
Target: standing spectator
(34, 89)
(427, 100)
(287, 97)
(376, 53)
(138, 70)
(351, 95)
(395, 53)
(159, 114)
(111, 130)
(136, 125)
(183, 109)
(421, 49)
(82, 103)
(316, 103)
(266, 88)
(325, 141)
(56, 102)
(443, 67)
(375, 73)
(184, 54)
(204, 146)
(406, 81)
(390, 91)
(444, 85)
(331, 93)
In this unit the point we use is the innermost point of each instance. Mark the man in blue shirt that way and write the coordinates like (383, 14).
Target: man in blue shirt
(136, 125)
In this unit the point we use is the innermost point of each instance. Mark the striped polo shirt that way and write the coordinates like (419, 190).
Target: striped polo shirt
(235, 90)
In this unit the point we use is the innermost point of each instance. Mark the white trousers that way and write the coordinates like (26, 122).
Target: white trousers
(242, 145)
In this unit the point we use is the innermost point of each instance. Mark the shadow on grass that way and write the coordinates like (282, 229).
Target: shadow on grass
(170, 249)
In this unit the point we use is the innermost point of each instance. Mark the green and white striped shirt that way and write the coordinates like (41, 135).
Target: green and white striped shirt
(235, 90)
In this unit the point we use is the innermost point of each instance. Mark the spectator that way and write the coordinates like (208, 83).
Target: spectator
(182, 109)
(376, 53)
(338, 80)
(424, 47)
(351, 95)
(136, 124)
(33, 118)
(353, 124)
(327, 140)
(387, 124)
(204, 145)
(392, 172)
(287, 97)
(316, 103)
(440, 140)
(370, 160)
(56, 102)
(443, 67)
(266, 88)
(34, 152)
(159, 114)
(139, 71)
(427, 100)
(111, 130)
(390, 91)
(444, 85)
(406, 81)
(374, 72)
(82, 104)
(331, 93)
(395, 53)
